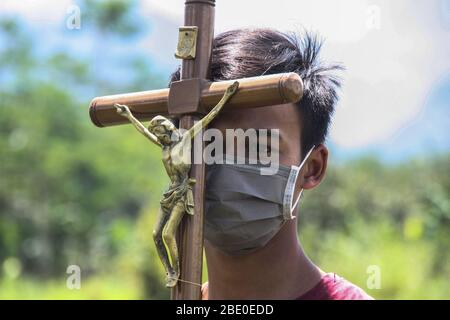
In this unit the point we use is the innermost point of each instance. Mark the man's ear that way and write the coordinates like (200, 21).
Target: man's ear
(315, 167)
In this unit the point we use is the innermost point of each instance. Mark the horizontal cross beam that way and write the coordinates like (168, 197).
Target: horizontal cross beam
(253, 92)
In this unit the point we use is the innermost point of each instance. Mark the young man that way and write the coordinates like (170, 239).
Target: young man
(251, 243)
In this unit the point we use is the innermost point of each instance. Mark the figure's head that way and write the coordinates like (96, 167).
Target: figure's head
(164, 130)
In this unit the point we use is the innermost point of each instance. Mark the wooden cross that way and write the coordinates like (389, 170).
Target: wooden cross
(187, 100)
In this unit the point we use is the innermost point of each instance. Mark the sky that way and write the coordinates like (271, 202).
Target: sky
(394, 102)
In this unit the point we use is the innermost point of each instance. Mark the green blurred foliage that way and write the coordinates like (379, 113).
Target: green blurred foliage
(111, 16)
(394, 217)
(71, 193)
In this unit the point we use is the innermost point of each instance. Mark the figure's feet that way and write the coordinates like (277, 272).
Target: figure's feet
(172, 279)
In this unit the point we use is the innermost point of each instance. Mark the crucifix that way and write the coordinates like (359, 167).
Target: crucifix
(189, 100)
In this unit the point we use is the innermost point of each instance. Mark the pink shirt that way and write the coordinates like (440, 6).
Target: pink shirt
(333, 287)
(330, 287)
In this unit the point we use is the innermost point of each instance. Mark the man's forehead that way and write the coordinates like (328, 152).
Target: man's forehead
(283, 117)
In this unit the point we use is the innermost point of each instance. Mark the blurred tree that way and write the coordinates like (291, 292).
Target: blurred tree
(111, 16)
(65, 190)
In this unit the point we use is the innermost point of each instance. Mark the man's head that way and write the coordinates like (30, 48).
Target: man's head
(245, 53)
(249, 53)
(255, 52)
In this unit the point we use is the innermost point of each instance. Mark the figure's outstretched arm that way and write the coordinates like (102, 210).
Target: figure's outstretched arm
(124, 111)
(203, 123)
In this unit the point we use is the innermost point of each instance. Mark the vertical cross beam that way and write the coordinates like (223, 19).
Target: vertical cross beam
(198, 13)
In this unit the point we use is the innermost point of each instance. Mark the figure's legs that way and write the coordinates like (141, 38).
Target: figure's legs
(157, 237)
(169, 233)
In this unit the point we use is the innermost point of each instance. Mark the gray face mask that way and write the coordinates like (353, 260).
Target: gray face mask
(245, 209)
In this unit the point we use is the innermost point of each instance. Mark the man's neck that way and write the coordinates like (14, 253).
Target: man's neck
(280, 270)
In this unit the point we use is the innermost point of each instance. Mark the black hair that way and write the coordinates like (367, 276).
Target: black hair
(245, 53)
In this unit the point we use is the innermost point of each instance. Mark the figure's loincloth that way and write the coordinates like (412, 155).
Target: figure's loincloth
(181, 192)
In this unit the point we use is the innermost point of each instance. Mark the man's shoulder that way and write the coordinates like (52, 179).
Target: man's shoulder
(333, 287)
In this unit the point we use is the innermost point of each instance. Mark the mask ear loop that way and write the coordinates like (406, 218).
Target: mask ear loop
(295, 203)
(290, 187)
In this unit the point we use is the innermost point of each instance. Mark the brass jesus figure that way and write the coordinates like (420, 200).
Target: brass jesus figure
(176, 157)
